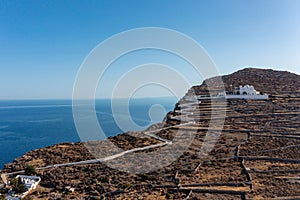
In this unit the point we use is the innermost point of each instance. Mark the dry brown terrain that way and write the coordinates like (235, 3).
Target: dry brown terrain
(257, 155)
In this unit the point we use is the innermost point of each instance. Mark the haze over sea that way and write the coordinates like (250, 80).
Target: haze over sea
(30, 124)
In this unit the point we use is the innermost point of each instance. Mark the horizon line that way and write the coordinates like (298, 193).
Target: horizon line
(71, 99)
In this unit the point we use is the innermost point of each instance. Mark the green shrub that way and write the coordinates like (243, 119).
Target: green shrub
(168, 196)
(30, 170)
(145, 177)
(17, 185)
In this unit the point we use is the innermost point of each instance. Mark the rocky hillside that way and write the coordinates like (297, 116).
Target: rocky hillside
(257, 154)
(266, 80)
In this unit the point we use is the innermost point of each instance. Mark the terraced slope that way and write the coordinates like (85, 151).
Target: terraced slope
(256, 155)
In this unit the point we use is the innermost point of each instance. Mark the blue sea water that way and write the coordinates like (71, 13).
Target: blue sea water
(30, 124)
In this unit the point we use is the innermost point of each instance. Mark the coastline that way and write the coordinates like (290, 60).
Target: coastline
(31, 125)
(233, 169)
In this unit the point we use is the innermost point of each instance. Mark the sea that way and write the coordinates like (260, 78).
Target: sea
(30, 124)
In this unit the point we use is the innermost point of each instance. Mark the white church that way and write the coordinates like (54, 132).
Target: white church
(244, 92)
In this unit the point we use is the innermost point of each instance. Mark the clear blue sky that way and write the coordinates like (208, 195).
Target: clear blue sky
(43, 43)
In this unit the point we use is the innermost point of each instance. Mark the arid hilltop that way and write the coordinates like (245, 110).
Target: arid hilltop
(256, 154)
(265, 80)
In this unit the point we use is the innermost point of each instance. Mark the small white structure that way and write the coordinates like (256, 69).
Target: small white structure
(241, 92)
(30, 183)
(11, 198)
(244, 92)
(247, 90)
(70, 189)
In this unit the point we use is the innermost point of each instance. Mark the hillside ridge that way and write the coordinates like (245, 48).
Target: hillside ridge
(257, 154)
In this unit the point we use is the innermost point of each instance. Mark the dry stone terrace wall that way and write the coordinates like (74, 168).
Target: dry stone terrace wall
(224, 172)
(272, 155)
(258, 129)
(59, 153)
(75, 152)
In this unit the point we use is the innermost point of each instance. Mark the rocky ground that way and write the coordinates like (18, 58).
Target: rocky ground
(256, 156)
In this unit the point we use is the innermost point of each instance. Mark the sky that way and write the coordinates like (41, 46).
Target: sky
(44, 43)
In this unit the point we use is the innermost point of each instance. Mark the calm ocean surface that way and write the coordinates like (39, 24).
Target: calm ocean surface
(30, 124)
